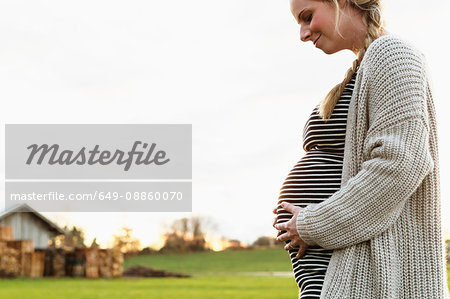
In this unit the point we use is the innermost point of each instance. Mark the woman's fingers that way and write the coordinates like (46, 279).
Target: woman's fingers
(283, 237)
(294, 243)
(291, 245)
(282, 226)
(288, 207)
(275, 210)
(289, 230)
(301, 251)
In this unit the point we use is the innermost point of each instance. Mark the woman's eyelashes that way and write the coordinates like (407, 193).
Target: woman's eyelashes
(305, 17)
(308, 18)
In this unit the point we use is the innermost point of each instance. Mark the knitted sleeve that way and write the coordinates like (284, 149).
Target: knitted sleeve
(396, 154)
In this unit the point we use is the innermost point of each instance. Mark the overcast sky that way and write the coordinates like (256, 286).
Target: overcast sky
(234, 69)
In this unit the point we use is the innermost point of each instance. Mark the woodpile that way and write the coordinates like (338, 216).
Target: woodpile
(75, 262)
(34, 266)
(92, 263)
(105, 263)
(6, 233)
(84, 262)
(117, 263)
(19, 258)
(24, 249)
(55, 262)
(9, 264)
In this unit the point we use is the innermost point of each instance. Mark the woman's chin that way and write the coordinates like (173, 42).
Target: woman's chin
(329, 51)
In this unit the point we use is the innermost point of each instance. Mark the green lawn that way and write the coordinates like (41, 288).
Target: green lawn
(155, 288)
(215, 275)
(213, 263)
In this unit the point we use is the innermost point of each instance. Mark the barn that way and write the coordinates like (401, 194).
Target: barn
(28, 223)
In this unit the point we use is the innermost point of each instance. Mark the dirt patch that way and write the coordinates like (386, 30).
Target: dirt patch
(140, 271)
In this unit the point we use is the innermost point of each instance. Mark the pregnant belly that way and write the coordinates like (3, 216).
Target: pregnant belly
(312, 180)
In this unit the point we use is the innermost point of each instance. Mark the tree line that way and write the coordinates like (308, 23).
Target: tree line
(184, 235)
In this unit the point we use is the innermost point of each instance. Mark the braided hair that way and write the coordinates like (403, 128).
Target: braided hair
(372, 18)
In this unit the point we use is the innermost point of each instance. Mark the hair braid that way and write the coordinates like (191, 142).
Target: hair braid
(373, 20)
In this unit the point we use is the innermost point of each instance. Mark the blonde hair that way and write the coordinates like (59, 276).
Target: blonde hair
(372, 18)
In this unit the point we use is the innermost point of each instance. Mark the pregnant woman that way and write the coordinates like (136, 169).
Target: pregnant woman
(360, 213)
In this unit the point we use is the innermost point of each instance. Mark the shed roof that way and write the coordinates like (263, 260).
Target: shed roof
(26, 208)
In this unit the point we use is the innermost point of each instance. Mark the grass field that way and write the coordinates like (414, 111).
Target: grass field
(215, 275)
(222, 262)
(155, 288)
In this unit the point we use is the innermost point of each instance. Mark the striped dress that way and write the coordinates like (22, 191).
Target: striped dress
(312, 180)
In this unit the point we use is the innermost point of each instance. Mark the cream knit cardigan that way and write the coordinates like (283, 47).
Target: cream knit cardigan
(384, 223)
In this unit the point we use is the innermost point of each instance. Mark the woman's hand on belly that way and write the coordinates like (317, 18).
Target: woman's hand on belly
(291, 233)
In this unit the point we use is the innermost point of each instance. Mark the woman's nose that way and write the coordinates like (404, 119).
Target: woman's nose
(305, 34)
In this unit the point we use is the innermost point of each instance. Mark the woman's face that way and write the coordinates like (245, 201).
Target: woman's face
(317, 24)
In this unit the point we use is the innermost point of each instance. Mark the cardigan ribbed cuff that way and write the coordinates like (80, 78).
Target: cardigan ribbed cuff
(302, 228)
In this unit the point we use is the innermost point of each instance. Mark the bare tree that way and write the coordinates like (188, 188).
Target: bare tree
(187, 234)
(73, 238)
(125, 242)
(94, 244)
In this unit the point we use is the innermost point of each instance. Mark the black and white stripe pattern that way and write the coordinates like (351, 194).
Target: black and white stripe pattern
(312, 180)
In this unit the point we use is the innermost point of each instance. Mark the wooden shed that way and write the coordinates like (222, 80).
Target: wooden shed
(29, 224)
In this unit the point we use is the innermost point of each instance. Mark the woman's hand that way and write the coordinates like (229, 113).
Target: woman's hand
(291, 230)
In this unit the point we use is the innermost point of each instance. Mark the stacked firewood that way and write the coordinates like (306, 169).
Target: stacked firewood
(94, 262)
(18, 258)
(33, 264)
(117, 263)
(84, 262)
(55, 262)
(9, 264)
(25, 252)
(10, 255)
(6, 233)
(105, 263)
(75, 262)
